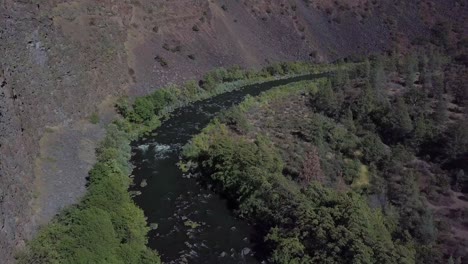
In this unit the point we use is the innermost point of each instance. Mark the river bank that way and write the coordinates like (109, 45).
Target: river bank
(193, 223)
(124, 224)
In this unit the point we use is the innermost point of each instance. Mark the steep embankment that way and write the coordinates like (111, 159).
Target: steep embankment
(62, 59)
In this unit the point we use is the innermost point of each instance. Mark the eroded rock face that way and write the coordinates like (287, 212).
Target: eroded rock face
(53, 63)
(61, 59)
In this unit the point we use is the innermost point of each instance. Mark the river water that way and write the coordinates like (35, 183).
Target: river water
(194, 225)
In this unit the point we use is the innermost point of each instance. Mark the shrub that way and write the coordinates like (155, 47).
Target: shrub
(123, 107)
(143, 109)
(298, 227)
(106, 227)
(94, 118)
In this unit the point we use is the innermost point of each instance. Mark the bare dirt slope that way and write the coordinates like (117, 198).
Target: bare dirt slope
(61, 59)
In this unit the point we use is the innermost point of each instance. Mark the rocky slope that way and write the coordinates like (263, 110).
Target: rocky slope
(63, 61)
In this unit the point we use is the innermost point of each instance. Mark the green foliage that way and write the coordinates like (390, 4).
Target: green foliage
(316, 226)
(123, 106)
(456, 139)
(403, 122)
(275, 69)
(373, 148)
(340, 80)
(365, 104)
(106, 227)
(364, 70)
(143, 110)
(369, 161)
(213, 78)
(94, 118)
(236, 119)
(161, 98)
(423, 131)
(287, 249)
(147, 111)
(417, 101)
(325, 101)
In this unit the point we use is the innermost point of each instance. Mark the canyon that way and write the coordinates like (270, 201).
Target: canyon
(64, 62)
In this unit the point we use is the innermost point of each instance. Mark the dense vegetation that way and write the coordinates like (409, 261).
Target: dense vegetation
(147, 111)
(106, 226)
(342, 170)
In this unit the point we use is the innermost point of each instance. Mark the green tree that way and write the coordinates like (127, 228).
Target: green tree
(417, 101)
(348, 120)
(365, 103)
(404, 124)
(456, 139)
(123, 107)
(143, 109)
(287, 249)
(325, 100)
(373, 148)
(340, 79)
(422, 131)
(160, 99)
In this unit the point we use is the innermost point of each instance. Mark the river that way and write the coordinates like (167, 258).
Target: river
(190, 223)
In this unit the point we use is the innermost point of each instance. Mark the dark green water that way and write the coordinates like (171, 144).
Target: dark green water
(195, 225)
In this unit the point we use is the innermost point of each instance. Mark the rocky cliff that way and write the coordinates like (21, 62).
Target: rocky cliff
(63, 61)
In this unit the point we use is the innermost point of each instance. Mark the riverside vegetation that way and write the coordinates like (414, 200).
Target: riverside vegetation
(351, 169)
(329, 171)
(106, 226)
